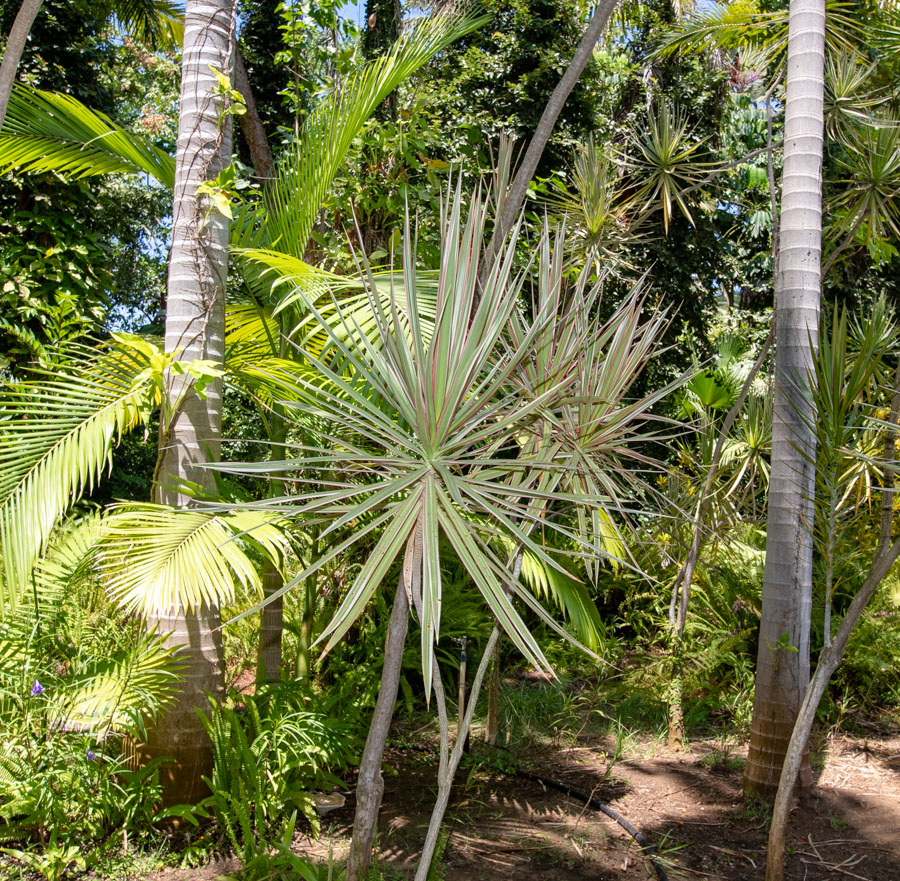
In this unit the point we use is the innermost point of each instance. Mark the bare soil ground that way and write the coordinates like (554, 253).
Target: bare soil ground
(688, 804)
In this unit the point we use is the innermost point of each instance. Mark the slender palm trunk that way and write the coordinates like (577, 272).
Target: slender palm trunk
(681, 589)
(492, 721)
(195, 327)
(307, 623)
(271, 617)
(783, 656)
(251, 124)
(514, 200)
(12, 54)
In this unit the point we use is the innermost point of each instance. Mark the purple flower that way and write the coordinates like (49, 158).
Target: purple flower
(91, 755)
(37, 689)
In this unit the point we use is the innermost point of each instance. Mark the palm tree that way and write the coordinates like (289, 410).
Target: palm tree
(195, 328)
(783, 654)
(67, 448)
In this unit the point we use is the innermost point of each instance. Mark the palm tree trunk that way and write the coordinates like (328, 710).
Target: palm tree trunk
(271, 616)
(783, 655)
(492, 722)
(251, 125)
(12, 54)
(195, 327)
(886, 555)
(307, 624)
(271, 625)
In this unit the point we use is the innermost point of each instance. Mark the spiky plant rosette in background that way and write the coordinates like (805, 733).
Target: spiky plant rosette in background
(446, 445)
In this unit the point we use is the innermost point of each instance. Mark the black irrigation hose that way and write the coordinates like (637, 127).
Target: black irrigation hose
(597, 805)
(646, 846)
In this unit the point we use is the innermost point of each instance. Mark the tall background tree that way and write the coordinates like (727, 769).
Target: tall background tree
(783, 654)
(195, 328)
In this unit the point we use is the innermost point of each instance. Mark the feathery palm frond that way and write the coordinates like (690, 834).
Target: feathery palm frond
(120, 693)
(47, 131)
(742, 24)
(156, 23)
(56, 436)
(569, 595)
(153, 558)
(303, 176)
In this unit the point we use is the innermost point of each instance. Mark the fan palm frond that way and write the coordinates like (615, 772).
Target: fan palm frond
(47, 131)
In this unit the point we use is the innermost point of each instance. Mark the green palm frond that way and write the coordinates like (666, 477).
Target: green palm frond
(153, 558)
(56, 436)
(47, 131)
(734, 25)
(122, 692)
(742, 24)
(302, 283)
(303, 177)
(156, 23)
(569, 595)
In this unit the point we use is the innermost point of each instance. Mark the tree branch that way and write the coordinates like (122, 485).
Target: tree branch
(12, 54)
(519, 188)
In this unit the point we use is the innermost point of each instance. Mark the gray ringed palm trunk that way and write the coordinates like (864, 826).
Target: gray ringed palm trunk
(886, 554)
(195, 327)
(783, 654)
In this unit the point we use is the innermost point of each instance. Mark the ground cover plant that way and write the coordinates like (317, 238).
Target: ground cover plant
(448, 441)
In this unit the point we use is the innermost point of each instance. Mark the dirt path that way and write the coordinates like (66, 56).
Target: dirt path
(689, 804)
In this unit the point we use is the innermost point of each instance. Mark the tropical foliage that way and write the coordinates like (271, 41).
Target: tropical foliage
(562, 456)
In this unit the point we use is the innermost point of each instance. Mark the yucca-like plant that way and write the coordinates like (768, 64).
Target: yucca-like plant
(593, 209)
(868, 209)
(850, 373)
(495, 431)
(665, 164)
